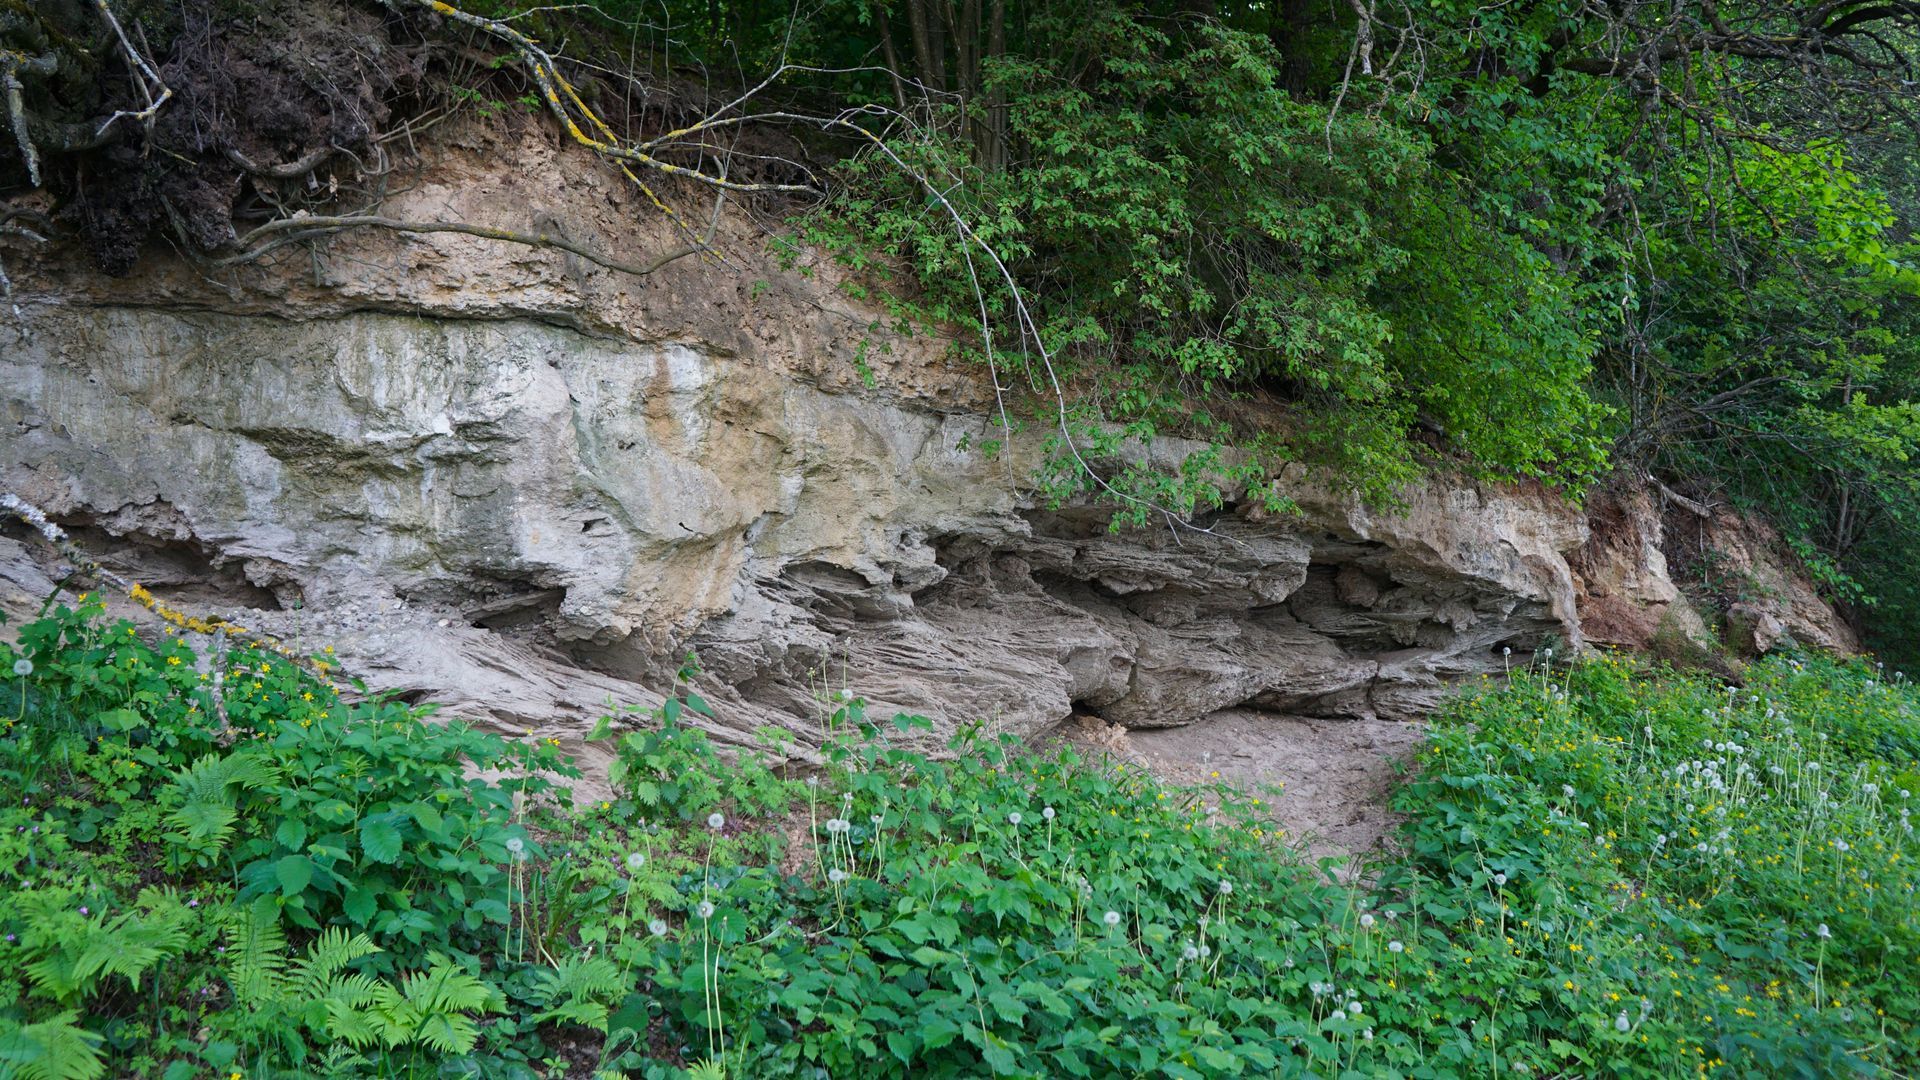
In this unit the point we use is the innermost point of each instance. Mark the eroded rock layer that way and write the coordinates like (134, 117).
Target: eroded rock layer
(527, 520)
(529, 488)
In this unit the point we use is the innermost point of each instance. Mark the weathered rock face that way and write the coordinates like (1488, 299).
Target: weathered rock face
(527, 488)
(1737, 570)
(526, 521)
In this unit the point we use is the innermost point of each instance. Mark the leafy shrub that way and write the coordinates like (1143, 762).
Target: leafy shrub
(1730, 870)
(1188, 232)
(1605, 870)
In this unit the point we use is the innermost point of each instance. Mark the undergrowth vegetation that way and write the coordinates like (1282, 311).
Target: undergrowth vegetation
(229, 869)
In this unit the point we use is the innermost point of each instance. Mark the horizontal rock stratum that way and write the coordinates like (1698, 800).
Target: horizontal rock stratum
(527, 487)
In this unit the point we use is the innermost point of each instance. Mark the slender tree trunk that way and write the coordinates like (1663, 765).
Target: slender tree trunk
(1291, 35)
(929, 42)
(889, 54)
(995, 155)
(1843, 522)
(966, 47)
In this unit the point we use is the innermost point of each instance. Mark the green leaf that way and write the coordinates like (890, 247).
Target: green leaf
(901, 1044)
(294, 873)
(292, 833)
(426, 817)
(937, 1031)
(360, 904)
(632, 1015)
(380, 840)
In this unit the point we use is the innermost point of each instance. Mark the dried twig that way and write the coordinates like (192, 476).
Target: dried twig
(283, 231)
(145, 77)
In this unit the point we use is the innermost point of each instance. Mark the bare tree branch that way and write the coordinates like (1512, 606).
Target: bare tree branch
(144, 76)
(283, 231)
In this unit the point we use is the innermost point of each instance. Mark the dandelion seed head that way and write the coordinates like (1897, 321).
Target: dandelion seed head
(1111, 918)
(705, 910)
(23, 667)
(715, 821)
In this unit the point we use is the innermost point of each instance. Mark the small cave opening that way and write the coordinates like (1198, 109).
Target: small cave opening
(515, 610)
(185, 573)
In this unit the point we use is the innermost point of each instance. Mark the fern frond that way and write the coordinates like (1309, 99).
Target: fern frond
(449, 1033)
(54, 975)
(130, 944)
(350, 1024)
(572, 992)
(313, 976)
(256, 957)
(53, 1049)
(446, 989)
(205, 792)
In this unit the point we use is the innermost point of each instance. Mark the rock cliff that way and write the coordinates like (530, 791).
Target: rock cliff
(527, 486)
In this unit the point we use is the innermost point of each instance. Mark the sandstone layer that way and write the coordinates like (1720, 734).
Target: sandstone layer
(529, 487)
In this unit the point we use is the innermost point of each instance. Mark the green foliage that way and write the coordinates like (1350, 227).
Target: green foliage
(1604, 869)
(1731, 870)
(69, 954)
(1188, 232)
(55, 1048)
(270, 804)
(578, 991)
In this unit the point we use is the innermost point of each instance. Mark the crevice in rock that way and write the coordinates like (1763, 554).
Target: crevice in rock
(182, 571)
(529, 608)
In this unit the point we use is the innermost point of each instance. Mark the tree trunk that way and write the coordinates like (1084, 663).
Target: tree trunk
(1291, 36)
(927, 25)
(994, 145)
(887, 53)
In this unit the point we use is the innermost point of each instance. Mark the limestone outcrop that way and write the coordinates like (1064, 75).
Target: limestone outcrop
(529, 487)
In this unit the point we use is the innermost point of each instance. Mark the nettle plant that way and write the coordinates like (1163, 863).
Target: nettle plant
(986, 912)
(259, 794)
(372, 823)
(222, 868)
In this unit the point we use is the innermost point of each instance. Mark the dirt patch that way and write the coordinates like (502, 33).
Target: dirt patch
(1330, 781)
